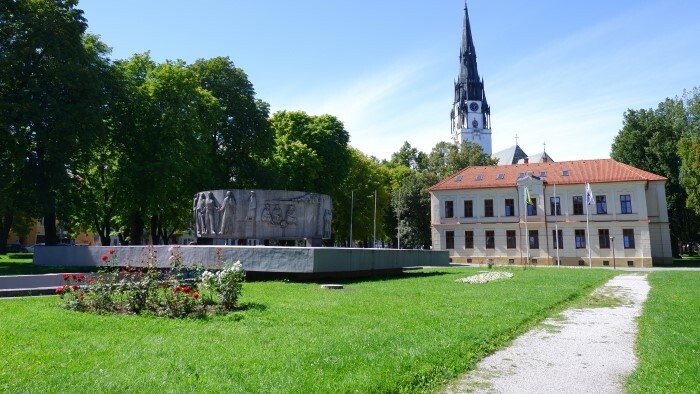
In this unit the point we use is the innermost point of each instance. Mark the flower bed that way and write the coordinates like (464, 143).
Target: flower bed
(174, 292)
(486, 277)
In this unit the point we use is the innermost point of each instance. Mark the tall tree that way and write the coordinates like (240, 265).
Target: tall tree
(447, 158)
(649, 140)
(50, 93)
(689, 151)
(241, 136)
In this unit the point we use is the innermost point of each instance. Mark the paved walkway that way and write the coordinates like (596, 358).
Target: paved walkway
(581, 351)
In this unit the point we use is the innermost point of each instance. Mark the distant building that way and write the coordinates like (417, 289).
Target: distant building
(479, 214)
(515, 155)
(471, 114)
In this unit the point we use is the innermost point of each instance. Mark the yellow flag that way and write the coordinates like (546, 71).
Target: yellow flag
(528, 200)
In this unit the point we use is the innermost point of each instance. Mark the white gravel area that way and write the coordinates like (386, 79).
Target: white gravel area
(580, 351)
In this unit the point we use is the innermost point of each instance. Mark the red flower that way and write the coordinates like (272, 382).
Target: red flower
(81, 278)
(176, 289)
(104, 257)
(195, 295)
(186, 289)
(111, 251)
(66, 277)
(90, 280)
(81, 297)
(75, 277)
(59, 290)
(74, 287)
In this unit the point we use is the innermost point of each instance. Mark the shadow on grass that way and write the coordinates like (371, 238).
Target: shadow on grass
(28, 268)
(681, 262)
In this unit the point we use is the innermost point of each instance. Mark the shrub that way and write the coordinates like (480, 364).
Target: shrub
(147, 289)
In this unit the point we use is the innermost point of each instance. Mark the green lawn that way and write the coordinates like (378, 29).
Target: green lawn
(406, 334)
(668, 344)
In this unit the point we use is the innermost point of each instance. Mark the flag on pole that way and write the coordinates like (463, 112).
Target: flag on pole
(589, 194)
(528, 200)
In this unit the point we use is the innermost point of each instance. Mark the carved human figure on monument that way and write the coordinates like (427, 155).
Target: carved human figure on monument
(327, 223)
(228, 207)
(211, 210)
(252, 205)
(194, 213)
(265, 216)
(201, 214)
(291, 217)
(276, 214)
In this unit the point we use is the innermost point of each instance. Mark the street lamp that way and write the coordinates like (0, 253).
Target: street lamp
(612, 241)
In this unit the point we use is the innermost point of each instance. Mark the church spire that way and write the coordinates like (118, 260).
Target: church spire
(471, 114)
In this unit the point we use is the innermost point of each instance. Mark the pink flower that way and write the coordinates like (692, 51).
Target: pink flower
(90, 280)
(66, 277)
(59, 290)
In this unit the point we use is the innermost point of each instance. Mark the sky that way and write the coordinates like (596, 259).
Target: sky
(558, 74)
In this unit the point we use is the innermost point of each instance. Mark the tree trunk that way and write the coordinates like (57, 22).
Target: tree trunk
(50, 228)
(5, 227)
(136, 229)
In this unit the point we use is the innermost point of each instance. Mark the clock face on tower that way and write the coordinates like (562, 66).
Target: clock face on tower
(475, 123)
(474, 107)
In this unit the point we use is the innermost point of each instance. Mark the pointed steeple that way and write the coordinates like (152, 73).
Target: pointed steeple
(468, 72)
(471, 114)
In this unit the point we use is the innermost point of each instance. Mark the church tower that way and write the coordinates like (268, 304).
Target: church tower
(471, 115)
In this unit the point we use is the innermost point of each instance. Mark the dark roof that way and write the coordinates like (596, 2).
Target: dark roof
(510, 155)
(559, 173)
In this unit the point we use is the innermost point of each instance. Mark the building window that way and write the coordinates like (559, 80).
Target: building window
(604, 238)
(490, 240)
(534, 238)
(468, 209)
(488, 208)
(510, 239)
(628, 238)
(532, 208)
(468, 240)
(449, 239)
(578, 205)
(625, 203)
(580, 237)
(554, 206)
(510, 207)
(601, 206)
(449, 211)
(557, 239)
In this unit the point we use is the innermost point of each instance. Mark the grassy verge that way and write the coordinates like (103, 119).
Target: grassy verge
(668, 344)
(11, 265)
(683, 261)
(407, 334)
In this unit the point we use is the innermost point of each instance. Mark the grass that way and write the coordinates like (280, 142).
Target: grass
(668, 344)
(407, 334)
(692, 261)
(10, 264)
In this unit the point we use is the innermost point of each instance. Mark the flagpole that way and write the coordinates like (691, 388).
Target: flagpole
(527, 233)
(588, 230)
(556, 223)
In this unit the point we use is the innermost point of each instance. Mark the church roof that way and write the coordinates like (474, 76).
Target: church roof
(559, 173)
(537, 158)
(509, 155)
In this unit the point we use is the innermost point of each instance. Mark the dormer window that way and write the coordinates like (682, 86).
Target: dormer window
(458, 178)
(565, 173)
(543, 174)
(501, 176)
(479, 178)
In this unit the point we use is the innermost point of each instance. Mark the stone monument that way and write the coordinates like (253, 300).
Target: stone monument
(262, 215)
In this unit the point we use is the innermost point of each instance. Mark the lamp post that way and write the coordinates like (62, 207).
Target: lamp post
(612, 241)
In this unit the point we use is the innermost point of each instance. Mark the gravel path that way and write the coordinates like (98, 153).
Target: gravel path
(580, 351)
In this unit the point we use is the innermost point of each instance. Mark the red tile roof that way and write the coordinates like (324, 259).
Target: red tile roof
(579, 172)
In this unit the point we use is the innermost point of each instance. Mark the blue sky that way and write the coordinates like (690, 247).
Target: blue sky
(556, 72)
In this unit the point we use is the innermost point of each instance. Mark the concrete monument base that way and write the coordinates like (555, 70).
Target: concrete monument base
(258, 261)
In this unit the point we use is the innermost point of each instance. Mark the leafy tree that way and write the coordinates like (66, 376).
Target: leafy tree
(310, 152)
(51, 96)
(649, 140)
(241, 136)
(411, 203)
(366, 176)
(409, 157)
(689, 151)
(446, 158)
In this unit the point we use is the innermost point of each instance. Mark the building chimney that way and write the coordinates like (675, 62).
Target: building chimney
(526, 160)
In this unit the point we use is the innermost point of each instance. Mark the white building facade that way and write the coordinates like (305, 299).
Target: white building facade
(480, 214)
